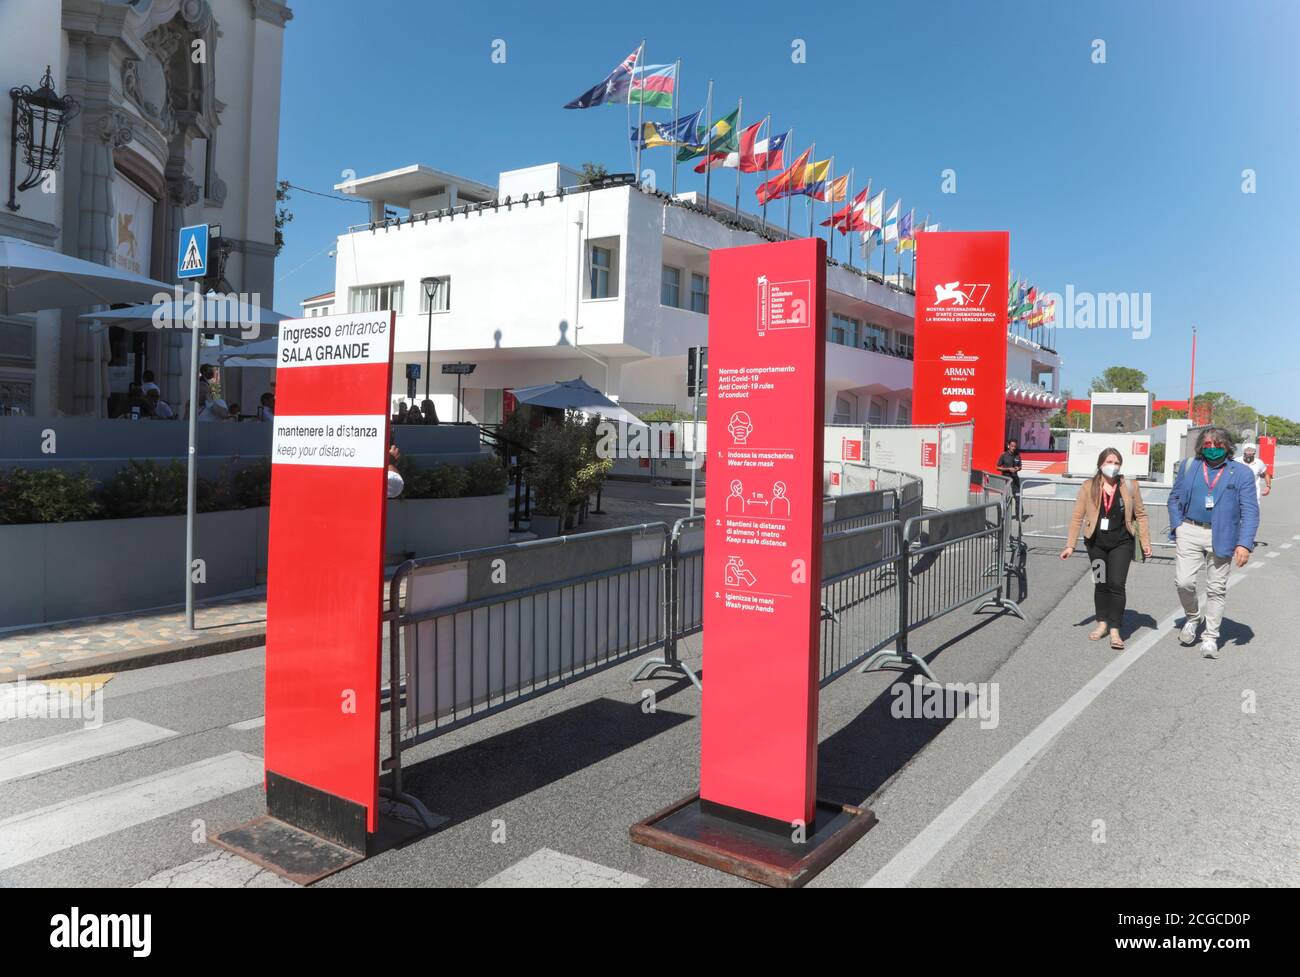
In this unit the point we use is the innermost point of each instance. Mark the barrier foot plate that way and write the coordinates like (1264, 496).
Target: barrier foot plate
(651, 668)
(758, 854)
(289, 852)
(1002, 604)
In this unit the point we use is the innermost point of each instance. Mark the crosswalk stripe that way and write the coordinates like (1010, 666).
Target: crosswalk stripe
(257, 723)
(77, 746)
(549, 869)
(43, 832)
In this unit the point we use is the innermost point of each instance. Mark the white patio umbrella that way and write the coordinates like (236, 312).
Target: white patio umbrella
(220, 314)
(33, 277)
(258, 355)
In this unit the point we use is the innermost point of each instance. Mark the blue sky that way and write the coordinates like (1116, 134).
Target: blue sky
(1117, 177)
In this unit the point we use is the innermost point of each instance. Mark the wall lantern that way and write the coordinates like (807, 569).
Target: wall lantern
(40, 120)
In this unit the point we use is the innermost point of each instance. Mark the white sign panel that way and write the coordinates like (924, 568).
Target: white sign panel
(335, 440)
(334, 340)
(132, 226)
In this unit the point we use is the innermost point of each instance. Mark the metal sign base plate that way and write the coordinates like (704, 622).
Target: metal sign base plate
(287, 851)
(752, 852)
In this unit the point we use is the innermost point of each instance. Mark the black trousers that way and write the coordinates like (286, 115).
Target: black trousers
(1110, 555)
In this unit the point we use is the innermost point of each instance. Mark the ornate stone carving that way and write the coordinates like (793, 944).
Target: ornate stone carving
(182, 191)
(115, 127)
(216, 191)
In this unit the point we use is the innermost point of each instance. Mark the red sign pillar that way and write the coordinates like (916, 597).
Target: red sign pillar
(960, 366)
(325, 573)
(1268, 452)
(763, 510)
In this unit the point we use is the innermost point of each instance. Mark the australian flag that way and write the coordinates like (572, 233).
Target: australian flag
(613, 90)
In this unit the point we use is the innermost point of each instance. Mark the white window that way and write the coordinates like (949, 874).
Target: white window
(602, 268)
(699, 293)
(906, 342)
(875, 337)
(904, 414)
(844, 330)
(441, 295)
(376, 298)
(843, 411)
(670, 287)
(876, 412)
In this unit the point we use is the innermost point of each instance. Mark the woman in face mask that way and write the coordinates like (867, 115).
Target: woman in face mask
(1110, 513)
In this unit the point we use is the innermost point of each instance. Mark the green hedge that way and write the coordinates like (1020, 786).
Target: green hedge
(146, 488)
(487, 476)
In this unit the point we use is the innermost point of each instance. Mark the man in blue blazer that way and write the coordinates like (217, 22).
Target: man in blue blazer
(1213, 515)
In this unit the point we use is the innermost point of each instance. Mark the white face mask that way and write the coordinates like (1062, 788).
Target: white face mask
(1110, 471)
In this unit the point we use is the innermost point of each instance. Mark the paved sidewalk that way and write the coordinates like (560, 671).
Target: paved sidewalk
(133, 639)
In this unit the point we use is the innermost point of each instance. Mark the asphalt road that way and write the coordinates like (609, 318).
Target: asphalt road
(1148, 767)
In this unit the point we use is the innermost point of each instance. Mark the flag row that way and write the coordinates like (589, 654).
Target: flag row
(753, 149)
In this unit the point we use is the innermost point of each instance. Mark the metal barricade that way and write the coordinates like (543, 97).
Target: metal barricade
(473, 633)
(684, 600)
(860, 596)
(1047, 516)
(948, 560)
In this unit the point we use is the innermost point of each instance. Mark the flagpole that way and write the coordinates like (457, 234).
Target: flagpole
(765, 170)
(708, 144)
(640, 108)
(812, 201)
(884, 245)
(740, 109)
(677, 108)
(802, 182)
(848, 202)
(788, 195)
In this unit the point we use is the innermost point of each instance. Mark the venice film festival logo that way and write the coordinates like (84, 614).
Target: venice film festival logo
(959, 293)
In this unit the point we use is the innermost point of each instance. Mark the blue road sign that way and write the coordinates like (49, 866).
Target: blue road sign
(192, 254)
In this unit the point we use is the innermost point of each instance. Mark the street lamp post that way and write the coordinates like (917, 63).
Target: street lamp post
(430, 286)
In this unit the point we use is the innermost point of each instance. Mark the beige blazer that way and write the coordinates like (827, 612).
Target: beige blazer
(1087, 510)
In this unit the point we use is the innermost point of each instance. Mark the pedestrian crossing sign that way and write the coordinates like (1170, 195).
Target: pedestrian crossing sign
(192, 255)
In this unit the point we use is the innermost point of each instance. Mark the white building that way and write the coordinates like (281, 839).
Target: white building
(179, 124)
(538, 280)
(318, 305)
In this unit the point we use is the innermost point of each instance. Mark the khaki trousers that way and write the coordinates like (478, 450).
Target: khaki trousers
(1196, 550)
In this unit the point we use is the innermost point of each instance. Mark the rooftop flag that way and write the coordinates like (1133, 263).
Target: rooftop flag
(782, 185)
(653, 85)
(874, 217)
(682, 132)
(834, 191)
(906, 234)
(891, 222)
(613, 90)
(752, 156)
(721, 138)
(765, 154)
(845, 216)
(813, 180)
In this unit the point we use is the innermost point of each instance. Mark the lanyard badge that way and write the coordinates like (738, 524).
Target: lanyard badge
(1209, 486)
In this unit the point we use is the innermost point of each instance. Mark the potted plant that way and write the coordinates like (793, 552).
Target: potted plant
(551, 473)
